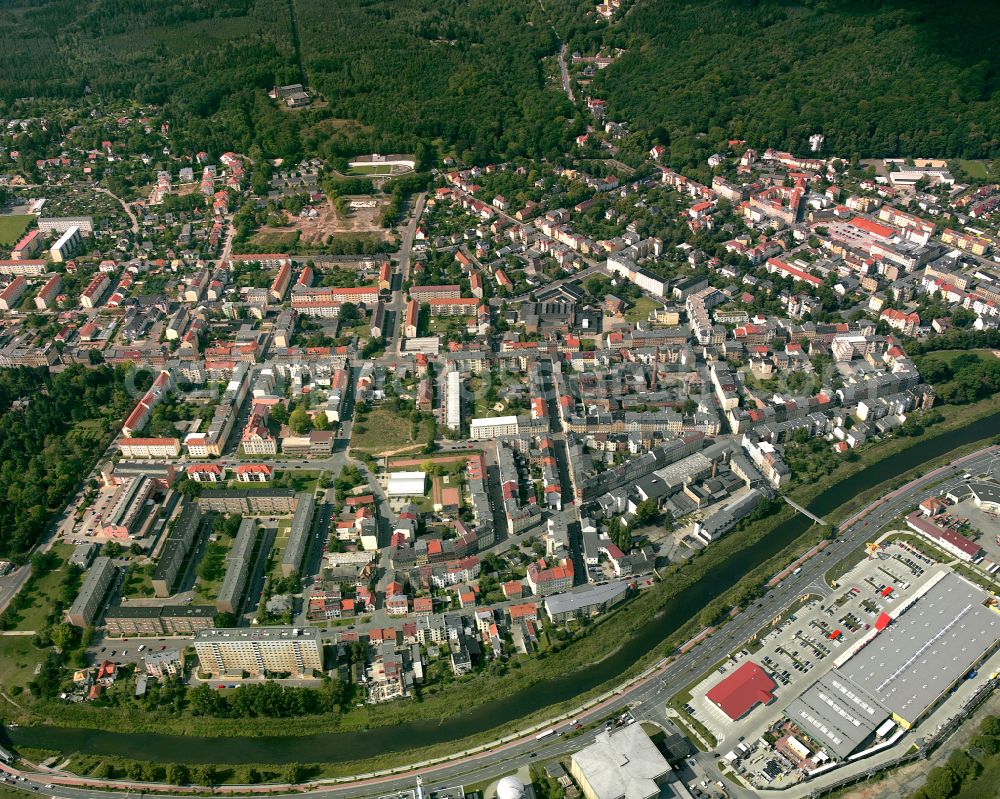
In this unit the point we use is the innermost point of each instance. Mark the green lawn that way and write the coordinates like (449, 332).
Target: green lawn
(212, 569)
(640, 311)
(975, 169)
(43, 593)
(12, 228)
(383, 431)
(18, 659)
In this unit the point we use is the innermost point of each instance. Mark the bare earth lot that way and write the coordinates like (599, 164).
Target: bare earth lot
(317, 231)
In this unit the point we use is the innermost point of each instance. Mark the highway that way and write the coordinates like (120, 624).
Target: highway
(646, 697)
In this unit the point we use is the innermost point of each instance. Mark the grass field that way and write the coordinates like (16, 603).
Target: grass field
(278, 549)
(212, 569)
(975, 169)
(12, 228)
(43, 593)
(640, 311)
(384, 431)
(18, 659)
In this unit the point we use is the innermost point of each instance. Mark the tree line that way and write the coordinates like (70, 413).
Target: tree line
(53, 427)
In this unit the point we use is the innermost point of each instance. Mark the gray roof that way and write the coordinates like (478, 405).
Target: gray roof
(238, 564)
(624, 763)
(298, 535)
(915, 660)
(985, 492)
(837, 714)
(578, 600)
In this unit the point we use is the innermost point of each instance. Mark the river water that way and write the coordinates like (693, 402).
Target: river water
(350, 746)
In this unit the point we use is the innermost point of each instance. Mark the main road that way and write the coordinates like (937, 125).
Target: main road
(645, 697)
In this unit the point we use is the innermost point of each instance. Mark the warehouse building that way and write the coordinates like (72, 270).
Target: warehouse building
(237, 568)
(932, 644)
(87, 604)
(837, 714)
(260, 650)
(298, 535)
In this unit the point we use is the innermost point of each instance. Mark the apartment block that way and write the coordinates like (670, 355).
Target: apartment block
(260, 650)
(83, 612)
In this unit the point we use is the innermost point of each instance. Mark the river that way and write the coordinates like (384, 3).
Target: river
(350, 746)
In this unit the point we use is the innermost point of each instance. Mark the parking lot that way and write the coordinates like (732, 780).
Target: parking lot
(802, 646)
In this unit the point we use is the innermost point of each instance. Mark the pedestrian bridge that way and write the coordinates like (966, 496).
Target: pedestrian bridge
(803, 511)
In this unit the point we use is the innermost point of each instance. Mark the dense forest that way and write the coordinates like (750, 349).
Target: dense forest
(469, 74)
(52, 429)
(876, 77)
(475, 78)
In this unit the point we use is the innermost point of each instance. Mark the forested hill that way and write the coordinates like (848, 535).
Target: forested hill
(469, 73)
(877, 77)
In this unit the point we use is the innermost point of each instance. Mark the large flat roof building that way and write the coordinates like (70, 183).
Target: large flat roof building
(837, 714)
(932, 645)
(623, 764)
(259, 650)
(407, 484)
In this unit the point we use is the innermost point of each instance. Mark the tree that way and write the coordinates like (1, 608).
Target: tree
(321, 422)
(294, 773)
(279, 412)
(207, 775)
(300, 421)
(646, 512)
(65, 637)
(941, 783)
(349, 313)
(254, 776)
(178, 773)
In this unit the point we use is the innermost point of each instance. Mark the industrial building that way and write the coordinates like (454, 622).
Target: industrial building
(260, 650)
(945, 631)
(85, 607)
(620, 764)
(237, 568)
(901, 669)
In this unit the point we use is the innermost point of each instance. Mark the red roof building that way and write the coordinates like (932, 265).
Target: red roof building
(742, 690)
